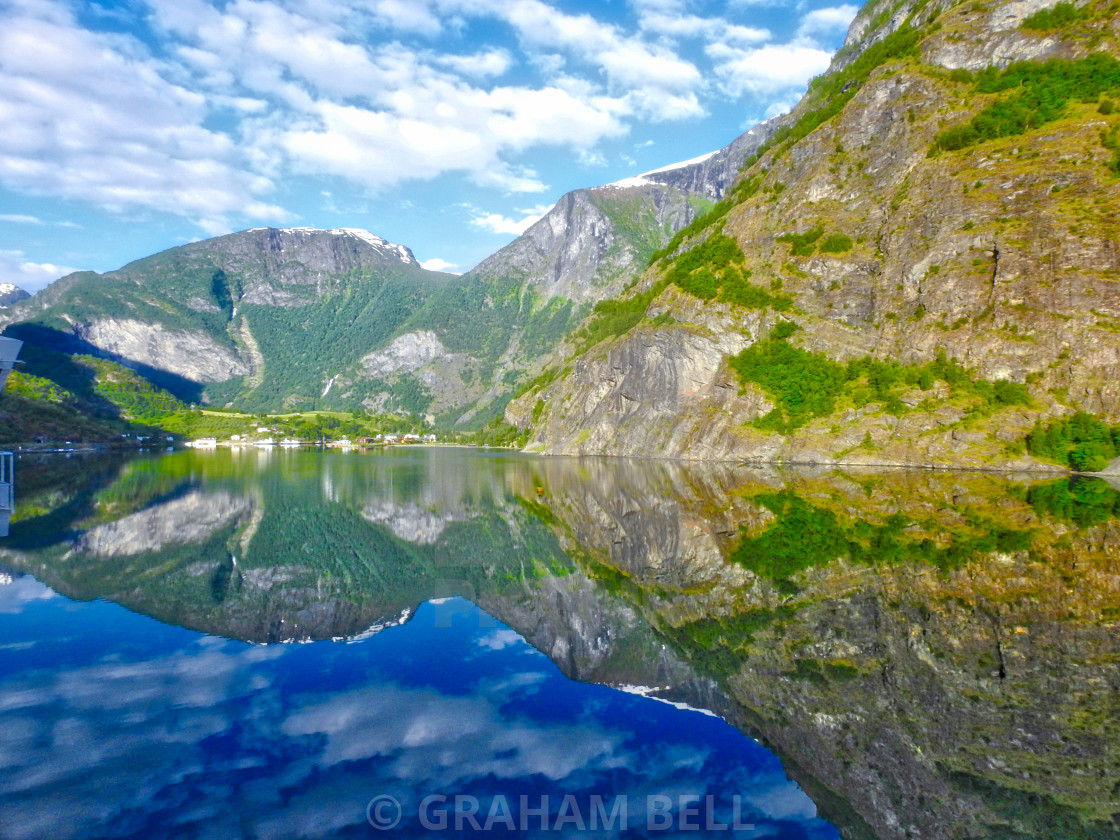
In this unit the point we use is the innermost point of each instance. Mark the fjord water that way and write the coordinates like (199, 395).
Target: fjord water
(920, 653)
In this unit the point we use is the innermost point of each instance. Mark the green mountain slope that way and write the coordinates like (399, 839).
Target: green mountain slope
(918, 267)
(292, 320)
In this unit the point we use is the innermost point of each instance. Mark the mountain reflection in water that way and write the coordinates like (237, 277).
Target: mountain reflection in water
(929, 654)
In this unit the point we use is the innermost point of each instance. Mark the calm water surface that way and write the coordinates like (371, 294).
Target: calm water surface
(456, 643)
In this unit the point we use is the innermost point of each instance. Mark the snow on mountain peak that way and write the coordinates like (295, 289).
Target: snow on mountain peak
(382, 246)
(643, 179)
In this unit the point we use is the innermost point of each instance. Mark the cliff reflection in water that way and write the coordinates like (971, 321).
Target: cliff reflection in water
(930, 654)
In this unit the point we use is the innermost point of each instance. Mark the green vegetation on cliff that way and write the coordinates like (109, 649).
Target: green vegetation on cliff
(805, 385)
(714, 269)
(1081, 500)
(1055, 17)
(1037, 93)
(1081, 442)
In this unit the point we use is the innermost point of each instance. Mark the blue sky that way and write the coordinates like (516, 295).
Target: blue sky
(445, 125)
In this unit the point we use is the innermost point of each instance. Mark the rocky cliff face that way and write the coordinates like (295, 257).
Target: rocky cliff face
(593, 241)
(1000, 255)
(713, 175)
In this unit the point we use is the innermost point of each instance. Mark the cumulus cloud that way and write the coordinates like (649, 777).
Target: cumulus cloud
(232, 99)
(17, 592)
(827, 21)
(497, 223)
(437, 264)
(30, 276)
(769, 69)
(90, 117)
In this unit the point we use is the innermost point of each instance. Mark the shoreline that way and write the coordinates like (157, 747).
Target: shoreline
(1054, 471)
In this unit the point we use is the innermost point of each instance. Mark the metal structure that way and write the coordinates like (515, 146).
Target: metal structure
(9, 353)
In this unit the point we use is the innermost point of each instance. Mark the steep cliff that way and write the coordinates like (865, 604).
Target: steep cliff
(593, 241)
(915, 206)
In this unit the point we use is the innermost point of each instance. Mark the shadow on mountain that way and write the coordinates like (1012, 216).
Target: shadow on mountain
(46, 353)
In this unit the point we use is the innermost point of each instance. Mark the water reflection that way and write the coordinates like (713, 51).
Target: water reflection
(931, 654)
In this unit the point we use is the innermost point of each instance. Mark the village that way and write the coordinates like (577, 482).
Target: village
(264, 440)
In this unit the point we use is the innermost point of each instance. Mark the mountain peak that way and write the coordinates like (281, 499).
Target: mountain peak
(11, 293)
(383, 246)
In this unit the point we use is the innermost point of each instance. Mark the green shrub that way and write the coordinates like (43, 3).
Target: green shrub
(802, 244)
(1038, 93)
(616, 316)
(1082, 442)
(1062, 14)
(1081, 500)
(806, 385)
(803, 384)
(837, 243)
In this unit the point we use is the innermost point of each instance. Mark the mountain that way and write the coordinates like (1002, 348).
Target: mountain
(593, 241)
(299, 319)
(918, 266)
(914, 266)
(10, 293)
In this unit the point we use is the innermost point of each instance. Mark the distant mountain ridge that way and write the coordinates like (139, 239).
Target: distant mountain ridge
(275, 319)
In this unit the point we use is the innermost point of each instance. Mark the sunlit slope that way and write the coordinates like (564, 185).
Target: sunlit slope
(942, 204)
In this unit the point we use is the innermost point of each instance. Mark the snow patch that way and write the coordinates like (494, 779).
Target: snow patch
(643, 179)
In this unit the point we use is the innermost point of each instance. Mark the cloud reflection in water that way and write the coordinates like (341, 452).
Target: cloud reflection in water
(156, 730)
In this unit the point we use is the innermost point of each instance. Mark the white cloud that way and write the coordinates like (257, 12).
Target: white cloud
(407, 16)
(692, 26)
(767, 70)
(17, 592)
(89, 117)
(497, 223)
(591, 157)
(437, 264)
(500, 639)
(827, 21)
(20, 219)
(237, 97)
(30, 276)
(479, 65)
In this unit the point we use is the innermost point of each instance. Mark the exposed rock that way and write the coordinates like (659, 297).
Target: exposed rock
(410, 522)
(193, 355)
(404, 354)
(989, 254)
(575, 251)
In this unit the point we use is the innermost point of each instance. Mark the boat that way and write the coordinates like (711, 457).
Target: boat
(289, 443)
(265, 443)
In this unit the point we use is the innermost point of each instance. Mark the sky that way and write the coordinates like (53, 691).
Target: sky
(448, 126)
